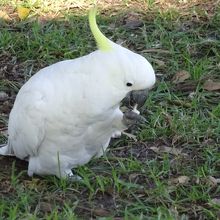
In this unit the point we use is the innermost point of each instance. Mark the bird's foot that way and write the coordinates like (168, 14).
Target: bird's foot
(74, 178)
(71, 177)
(132, 118)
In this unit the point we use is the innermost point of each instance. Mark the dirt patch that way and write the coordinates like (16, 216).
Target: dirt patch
(11, 165)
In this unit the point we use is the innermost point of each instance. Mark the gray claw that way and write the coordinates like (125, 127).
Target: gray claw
(74, 178)
(132, 118)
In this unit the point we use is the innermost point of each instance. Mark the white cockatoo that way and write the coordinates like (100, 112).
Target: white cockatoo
(67, 112)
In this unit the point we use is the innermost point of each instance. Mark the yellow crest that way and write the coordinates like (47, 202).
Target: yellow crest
(103, 43)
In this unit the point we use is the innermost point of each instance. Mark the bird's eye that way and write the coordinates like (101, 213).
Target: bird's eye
(129, 84)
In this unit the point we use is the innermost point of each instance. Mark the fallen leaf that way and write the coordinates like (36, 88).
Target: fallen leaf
(209, 85)
(101, 212)
(23, 12)
(133, 24)
(170, 150)
(187, 86)
(179, 180)
(4, 16)
(132, 21)
(180, 77)
(183, 179)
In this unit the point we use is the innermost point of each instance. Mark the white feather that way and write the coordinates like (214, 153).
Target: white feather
(67, 112)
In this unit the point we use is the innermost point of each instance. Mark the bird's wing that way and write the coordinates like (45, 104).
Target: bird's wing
(27, 124)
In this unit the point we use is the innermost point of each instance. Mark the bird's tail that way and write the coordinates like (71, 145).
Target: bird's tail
(5, 150)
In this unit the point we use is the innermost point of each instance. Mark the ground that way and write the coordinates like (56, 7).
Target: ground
(172, 168)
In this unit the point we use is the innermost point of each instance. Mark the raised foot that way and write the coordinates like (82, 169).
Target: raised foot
(132, 118)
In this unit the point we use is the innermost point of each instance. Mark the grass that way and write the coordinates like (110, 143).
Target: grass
(135, 179)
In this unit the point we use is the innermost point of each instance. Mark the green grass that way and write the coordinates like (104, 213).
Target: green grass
(131, 181)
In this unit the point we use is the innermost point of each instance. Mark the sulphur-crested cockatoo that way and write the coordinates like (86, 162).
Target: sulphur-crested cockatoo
(67, 112)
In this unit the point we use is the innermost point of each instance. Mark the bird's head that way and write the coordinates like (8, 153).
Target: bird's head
(132, 70)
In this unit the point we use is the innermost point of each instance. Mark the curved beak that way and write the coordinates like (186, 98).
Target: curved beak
(136, 98)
